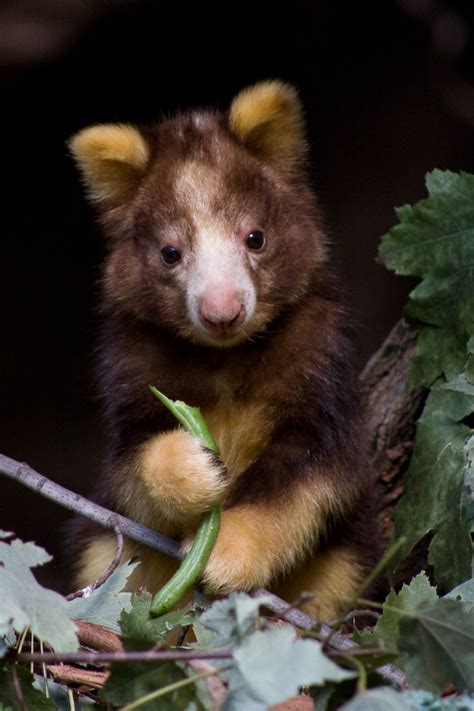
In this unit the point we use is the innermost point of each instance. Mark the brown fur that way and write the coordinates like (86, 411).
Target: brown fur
(280, 397)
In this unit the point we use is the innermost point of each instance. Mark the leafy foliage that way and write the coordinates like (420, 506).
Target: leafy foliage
(105, 604)
(383, 699)
(386, 630)
(232, 618)
(425, 701)
(24, 603)
(130, 682)
(138, 625)
(33, 698)
(439, 645)
(435, 242)
(430, 638)
(271, 667)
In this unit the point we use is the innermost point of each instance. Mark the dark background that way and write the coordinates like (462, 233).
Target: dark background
(389, 95)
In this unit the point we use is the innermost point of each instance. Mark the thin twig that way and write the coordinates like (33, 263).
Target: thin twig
(43, 670)
(377, 570)
(18, 691)
(135, 531)
(27, 476)
(165, 690)
(358, 652)
(99, 658)
(353, 614)
(215, 687)
(304, 597)
(70, 696)
(67, 674)
(21, 639)
(97, 638)
(32, 648)
(88, 589)
(338, 641)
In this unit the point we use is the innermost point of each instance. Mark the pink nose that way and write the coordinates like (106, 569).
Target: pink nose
(220, 309)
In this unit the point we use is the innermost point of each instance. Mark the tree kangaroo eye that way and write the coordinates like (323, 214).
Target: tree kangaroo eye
(255, 240)
(170, 255)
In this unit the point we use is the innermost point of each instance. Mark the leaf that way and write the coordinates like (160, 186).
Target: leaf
(233, 617)
(271, 667)
(31, 554)
(24, 603)
(129, 682)
(58, 693)
(439, 646)
(464, 592)
(438, 489)
(106, 603)
(435, 241)
(386, 630)
(8, 640)
(419, 700)
(383, 699)
(33, 698)
(139, 625)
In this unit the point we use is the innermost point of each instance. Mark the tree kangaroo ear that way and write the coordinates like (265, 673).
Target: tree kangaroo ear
(112, 158)
(268, 119)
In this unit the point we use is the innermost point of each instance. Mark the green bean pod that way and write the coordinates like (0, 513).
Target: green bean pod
(195, 561)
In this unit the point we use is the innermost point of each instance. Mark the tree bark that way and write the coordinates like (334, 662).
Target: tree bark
(392, 412)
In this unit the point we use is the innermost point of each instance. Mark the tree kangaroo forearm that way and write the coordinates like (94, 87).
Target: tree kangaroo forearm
(259, 541)
(171, 477)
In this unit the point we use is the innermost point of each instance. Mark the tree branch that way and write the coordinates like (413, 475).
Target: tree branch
(88, 589)
(62, 496)
(392, 413)
(100, 658)
(27, 476)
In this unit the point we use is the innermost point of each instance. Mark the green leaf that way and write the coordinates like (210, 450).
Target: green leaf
(129, 682)
(386, 631)
(233, 617)
(24, 603)
(435, 241)
(137, 623)
(190, 417)
(438, 493)
(271, 667)
(33, 698)
(105, 604)
(439, 645)
(383, 699)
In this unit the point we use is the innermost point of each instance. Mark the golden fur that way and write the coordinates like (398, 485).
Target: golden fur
(152, 573)
(333, 575)
(182, 479)
(267, 118)
(279, 395)
(240, 431)
(110, 156)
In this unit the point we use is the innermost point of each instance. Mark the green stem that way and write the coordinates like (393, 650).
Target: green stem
(193, 565)
(166, 690)
(362, 679)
